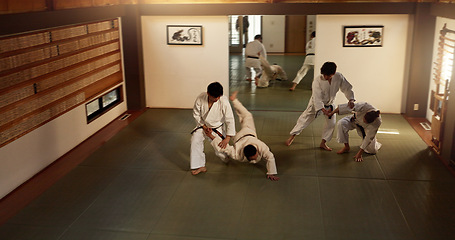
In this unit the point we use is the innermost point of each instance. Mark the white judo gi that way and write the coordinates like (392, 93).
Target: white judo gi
(322, 96)
(355, 121)
(247, 136)
(219, 116)
(253, 50)
(308, 63)
(270, 72)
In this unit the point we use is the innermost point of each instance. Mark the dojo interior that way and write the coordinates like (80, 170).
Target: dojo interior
(123, 173)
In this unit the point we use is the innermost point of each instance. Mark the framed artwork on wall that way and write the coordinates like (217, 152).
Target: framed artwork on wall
(184, 35)
(363, 36)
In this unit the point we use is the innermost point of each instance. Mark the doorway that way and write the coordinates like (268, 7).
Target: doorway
(242, 29)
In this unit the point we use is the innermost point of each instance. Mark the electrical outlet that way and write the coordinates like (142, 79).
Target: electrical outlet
(416, 107)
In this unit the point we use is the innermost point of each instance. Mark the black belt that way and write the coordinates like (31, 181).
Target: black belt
(309, 54)
(325, 106)
(213, 129)
(247, 135)
(362, 130)
(252, 57)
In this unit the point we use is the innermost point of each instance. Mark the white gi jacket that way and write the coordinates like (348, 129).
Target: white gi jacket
(246, 136)
(308, 63)
(254, 49)
(310, 50)
(369, 143)
(270, 72)
(220, 113)
(325, 93)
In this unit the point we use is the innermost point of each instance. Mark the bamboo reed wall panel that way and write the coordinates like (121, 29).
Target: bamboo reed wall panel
(45, 74)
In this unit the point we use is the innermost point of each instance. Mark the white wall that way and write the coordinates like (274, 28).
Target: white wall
(176, 74)
(376, 73)
(273, 33)
(23, 158)
(440, 21)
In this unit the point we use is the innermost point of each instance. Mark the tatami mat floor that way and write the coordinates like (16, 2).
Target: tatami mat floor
(137, 186)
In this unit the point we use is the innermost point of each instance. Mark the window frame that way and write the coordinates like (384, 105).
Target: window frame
(102, 110)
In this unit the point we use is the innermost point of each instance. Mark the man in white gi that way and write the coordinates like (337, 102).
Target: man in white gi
(212, 113)
(308, 63)
(253, 50)
(366, 119)
(247, 147)
(325, 88)
(269, 73)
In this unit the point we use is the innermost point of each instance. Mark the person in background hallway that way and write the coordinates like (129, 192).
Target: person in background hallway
(308, 63)
(325, 88)
(212, 113)
(245, 25)
(269, 73)
(247, 147)
(366, 119)
(253, 50)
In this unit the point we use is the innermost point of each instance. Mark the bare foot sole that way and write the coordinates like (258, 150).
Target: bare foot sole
(199, 170)
(291, 89)
(289, 141)
(344, 150)
(325, 147)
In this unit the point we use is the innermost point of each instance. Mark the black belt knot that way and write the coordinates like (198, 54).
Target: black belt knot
(213, 129)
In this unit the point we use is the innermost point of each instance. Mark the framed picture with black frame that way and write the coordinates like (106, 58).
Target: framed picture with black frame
(184, 35)
(363, 36)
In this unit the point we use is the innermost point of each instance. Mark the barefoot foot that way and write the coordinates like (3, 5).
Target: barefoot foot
(325, 147)
(344, 150)
(290, 140)
(199, 170)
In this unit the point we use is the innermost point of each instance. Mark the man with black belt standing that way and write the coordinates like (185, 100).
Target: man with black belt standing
(247, 147)
(308, 63)
(213, 114)
(325, 88)
(253, 50)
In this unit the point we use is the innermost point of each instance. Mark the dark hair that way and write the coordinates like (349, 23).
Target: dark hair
(249, 151)
(371, 116)
(313, 34)
(215, 89)
(259, 36)
(329, 68)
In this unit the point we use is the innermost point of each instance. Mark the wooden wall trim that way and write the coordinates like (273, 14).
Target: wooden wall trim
(277, 9)
(25, 22)
(446, 10)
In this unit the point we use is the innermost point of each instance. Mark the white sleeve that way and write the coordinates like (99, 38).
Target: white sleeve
(317, 94)
(197, 108)
(344, 109)
(370, 134)
(229, 150)
(269, 157)
(263, 51)
(346, 88)
(229, 118)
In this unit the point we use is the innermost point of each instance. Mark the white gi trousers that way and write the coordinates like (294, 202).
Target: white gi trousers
(345, 125)
(308, 116)
(197, 155)
(253, 64)
(302, 72)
